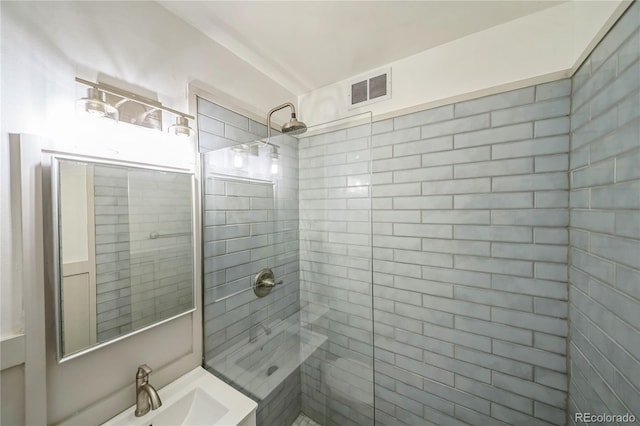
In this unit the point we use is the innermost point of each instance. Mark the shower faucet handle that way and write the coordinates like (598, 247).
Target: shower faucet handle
(269, 283)
(264, 282)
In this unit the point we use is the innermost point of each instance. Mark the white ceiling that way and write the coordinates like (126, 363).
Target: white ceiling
(305, 45)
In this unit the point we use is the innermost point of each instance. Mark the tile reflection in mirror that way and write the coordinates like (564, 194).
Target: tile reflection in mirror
(125, 250)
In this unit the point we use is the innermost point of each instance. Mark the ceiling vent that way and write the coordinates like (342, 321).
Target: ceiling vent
(370, 88)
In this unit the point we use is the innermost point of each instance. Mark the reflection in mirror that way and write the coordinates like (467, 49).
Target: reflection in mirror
(125, 250)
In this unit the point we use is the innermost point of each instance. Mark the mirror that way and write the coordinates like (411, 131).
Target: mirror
(125, 253)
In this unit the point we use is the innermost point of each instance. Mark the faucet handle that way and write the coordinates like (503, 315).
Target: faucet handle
(143, 371)
(264, 282)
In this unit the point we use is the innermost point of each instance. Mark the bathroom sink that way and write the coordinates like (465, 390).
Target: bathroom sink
(195, 408)
(197, 398)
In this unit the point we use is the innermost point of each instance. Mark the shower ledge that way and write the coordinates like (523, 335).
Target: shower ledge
(259, 367)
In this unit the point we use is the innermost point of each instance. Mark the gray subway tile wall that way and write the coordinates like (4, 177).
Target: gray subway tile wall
(604, 267)
(113, 271)
(129, 206)
(481, 233)
(469, 260)
(161, 268)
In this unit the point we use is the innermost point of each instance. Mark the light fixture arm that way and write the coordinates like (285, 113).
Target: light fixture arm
(142, 116)
(278, 108)
(123, 101)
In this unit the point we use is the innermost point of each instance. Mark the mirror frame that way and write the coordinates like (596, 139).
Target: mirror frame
(56, 245)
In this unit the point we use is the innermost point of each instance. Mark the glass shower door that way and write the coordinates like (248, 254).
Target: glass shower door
(336, 271)
(252, 335)
(301, 208)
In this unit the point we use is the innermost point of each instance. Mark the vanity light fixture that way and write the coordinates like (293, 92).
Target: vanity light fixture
(96, 104)
(108, 101)
(181, 128)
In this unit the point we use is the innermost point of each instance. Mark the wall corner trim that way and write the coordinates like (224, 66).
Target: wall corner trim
(26, 187)
(600, 35)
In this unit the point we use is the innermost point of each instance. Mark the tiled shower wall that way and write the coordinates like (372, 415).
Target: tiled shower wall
(249, 224)
(470, 252)
(469, 262)
(605, 226)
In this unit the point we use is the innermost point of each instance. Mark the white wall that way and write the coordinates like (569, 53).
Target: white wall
(540, 47)
(44, 46)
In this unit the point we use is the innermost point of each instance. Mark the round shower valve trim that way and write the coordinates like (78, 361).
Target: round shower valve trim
(264, 282)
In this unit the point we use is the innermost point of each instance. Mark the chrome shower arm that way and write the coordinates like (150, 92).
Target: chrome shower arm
(278, 108)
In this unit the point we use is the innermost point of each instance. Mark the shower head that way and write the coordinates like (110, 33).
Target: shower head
(292, 127)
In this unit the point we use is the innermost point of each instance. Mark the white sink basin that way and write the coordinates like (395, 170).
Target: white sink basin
(191, 409)
(197, 398)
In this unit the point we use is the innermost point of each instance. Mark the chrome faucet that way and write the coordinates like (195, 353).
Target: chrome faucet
(146, 396)
(253, 332)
